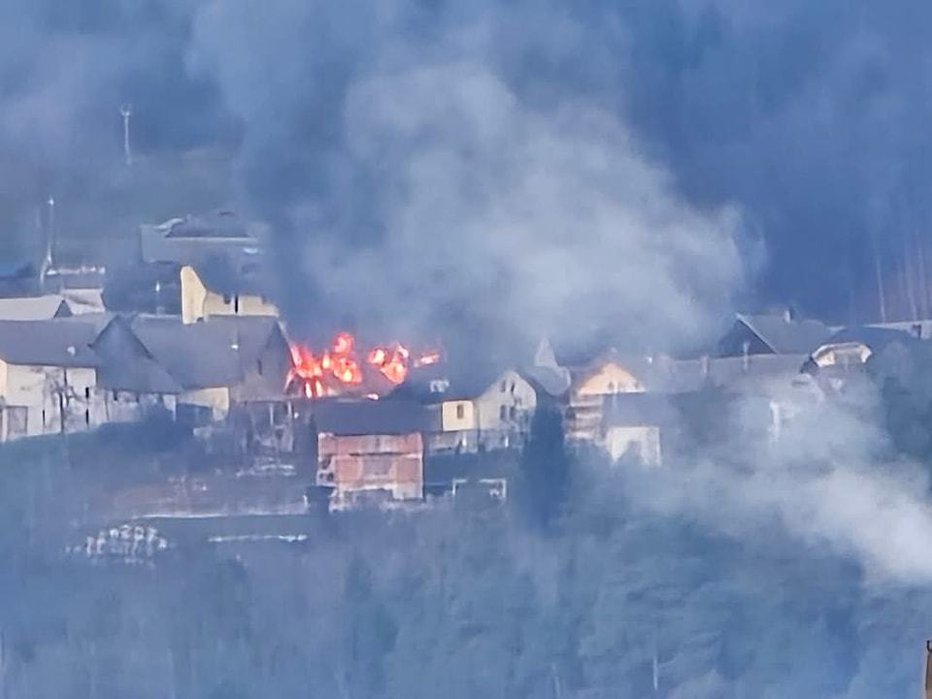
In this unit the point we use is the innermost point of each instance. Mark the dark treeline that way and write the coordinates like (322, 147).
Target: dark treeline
(588, 595)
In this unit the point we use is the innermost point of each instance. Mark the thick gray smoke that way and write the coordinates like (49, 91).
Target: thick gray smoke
(416, 183)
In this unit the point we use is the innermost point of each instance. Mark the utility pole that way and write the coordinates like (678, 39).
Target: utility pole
(48, 263)
(928, 683)
(126, 111)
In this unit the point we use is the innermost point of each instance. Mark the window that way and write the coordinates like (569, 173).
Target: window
(87, 418)
(236, 304)
(512, 412)
(503, 412)
(259, 367)
(116, 396)
(227, 299)
(87, 393)
(460, 411)
(43, 417)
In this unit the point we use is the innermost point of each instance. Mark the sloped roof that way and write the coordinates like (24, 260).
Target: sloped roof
(210, 353)
(554, 381)
(372, 417)
(33, 307)
(874, 337)
(215, 224)
(126, 364)
(459, 382)
(53, 343)
(787, 336)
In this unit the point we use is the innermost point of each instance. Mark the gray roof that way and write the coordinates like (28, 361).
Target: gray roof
(126, 364)
(216, 224)
(462, 383)
(554, 381)
(34, 307)
(210, 353)
(372, 417)
(874, 337)
(52, 343)
(194, 238)
(787, 336)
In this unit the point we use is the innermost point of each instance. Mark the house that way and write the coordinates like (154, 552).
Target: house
(607, 375)
(81, 286)
(772, 334)
(845, 354)
(217, 288)
(48, 378)
(635, 425)
(371, 449)
(479, 411)
(197, 372)
(134, 383)
(196, 239)
(218, 362)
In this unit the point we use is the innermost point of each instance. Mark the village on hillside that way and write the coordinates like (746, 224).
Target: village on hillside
(187, 332)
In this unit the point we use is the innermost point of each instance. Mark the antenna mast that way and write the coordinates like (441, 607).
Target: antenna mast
(49, 262)
(126, 111)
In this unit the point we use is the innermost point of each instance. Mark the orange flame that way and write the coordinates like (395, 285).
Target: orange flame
(339, 369)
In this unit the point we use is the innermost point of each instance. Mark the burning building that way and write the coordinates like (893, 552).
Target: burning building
(342, 369)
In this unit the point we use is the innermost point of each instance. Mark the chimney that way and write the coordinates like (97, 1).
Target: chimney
(704, 366)
(746, 355)
(789, 315)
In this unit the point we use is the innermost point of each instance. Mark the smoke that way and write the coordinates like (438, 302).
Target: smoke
(415, 180)
(831, 481)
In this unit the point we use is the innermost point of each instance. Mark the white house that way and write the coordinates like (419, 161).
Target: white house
(48, 378)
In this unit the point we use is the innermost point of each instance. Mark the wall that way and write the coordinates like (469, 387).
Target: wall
(451, 419)
(643, 441)
(393, 464)
(265, 379)
(607, 379)
(505, 411)
(217, 399)
(35, 395)
(584, 415)
(198, 302)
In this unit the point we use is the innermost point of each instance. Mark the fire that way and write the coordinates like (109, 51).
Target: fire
(339, 368)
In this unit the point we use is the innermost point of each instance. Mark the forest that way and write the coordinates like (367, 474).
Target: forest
(586, 584)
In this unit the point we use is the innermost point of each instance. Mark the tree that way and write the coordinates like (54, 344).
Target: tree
(545, 468)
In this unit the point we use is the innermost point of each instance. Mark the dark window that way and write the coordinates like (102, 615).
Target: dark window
(259, 367)
(87, 417)
(236, 304)
(512, 412)
(460, 411)
(43, 417)
(87, 393)
(116, 395)
(503, 412)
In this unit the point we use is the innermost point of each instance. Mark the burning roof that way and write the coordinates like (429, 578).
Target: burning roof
(344, 369)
